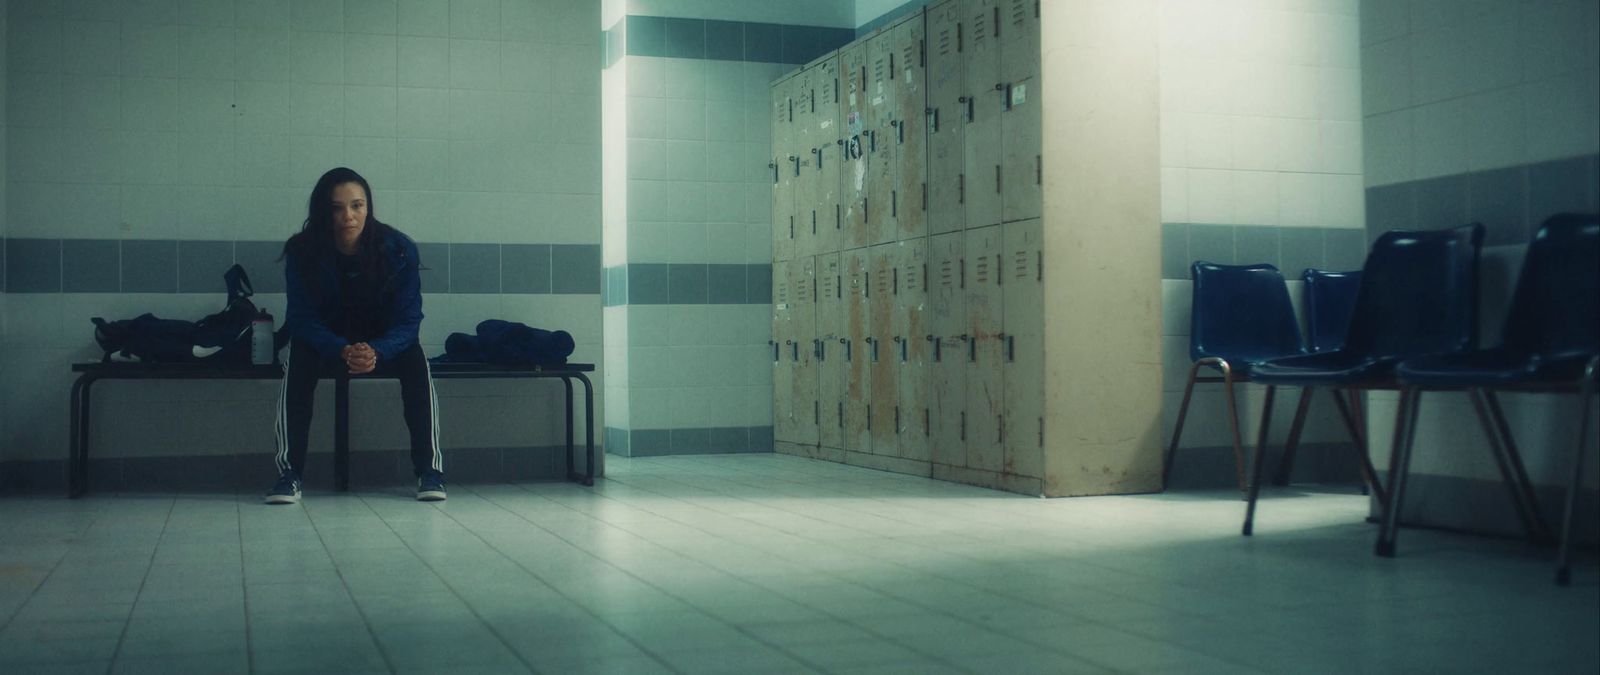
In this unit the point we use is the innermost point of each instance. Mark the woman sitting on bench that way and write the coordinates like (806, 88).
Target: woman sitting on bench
(355, 302)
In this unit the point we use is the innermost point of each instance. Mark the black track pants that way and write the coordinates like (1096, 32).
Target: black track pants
(301, 371)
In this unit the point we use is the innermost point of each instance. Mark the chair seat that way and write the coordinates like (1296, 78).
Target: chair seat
(1322, 369)
(1489, 368)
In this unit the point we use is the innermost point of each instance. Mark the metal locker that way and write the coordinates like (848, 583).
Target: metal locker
(879, 350)
(830, 361)
(883, 117)
(803, 91)
(946, 117)
(782, 167)
(1023, 343)
(857, 367)
(910, 129)
(803, 402)
(910, 348)
(985, 379)
(1022, 172)
(947, 391)
(828, 153)
(856, 138)
(984, 102)
(783, 429)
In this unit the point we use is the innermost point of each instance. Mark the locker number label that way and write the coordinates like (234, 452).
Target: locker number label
(1019, 94)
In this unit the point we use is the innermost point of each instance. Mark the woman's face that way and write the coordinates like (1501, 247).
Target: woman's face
(349, 213)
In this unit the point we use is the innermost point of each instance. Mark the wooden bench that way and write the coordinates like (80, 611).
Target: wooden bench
(89, 373)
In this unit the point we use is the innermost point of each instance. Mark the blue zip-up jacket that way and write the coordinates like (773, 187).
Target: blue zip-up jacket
(309, 315)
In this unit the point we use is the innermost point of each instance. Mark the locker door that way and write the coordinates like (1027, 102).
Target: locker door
(828, 154)
(883, 117)
(805, 164)
(880, 349)
(985, 378)
(1023, 316)
(802, 321)
(946, 120)
(947, 385)
(911, 348)
(855, 109)
(1022, 173)
(984, 98)
(782, 171)
(910, 130)
(830, 353)
(858, 375)
(783, 430)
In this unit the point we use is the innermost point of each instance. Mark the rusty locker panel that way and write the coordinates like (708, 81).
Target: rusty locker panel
(946, 118)
(885, 372)
(783, 429)
(782, 167)
(857, 367)
(828, 152)
(985, 97)
(985, 378)
(883, 117)
(947, 389)
(803, 91)
(912, 348)
(1023, 342)
(830, 353)
(802, 326)
(1022, 172)
(855, 111)
(910, 129)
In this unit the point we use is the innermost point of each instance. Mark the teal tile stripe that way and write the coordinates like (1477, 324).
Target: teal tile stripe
(30, 265)
(754, 42)
(688, 284)
(688, 441)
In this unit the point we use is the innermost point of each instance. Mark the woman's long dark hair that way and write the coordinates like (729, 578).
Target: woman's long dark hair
(314, 247)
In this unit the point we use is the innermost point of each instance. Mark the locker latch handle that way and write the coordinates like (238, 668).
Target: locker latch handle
(816, 349)
(972, 349)
(872, 139)
(1007, 102)
(967, 100)
(818, 153)
(775, 356)
(938, 353)
(933, 119)
(899, 131)
(1011, 347)
(849, 354)
(902, 342)
(774, 167)
(796, 162)
(872, 349)
(794, 350)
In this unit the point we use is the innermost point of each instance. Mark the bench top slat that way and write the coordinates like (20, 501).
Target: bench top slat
(210, 371)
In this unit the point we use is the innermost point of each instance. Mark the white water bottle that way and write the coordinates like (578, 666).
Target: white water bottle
(261, 347)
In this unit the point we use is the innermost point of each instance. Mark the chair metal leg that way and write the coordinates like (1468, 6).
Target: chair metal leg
(1261, 455)
(1352, 424)
(1405, 428)
(1233, 425)
(1177, 433)
(1518, 470)
(1280, 477)
(1564, 558)
(1526, 511)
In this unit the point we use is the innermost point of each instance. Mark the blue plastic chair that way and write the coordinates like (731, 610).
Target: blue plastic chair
(1240, 317)
(1330, 297)
(1550, 344)
(1418, 295)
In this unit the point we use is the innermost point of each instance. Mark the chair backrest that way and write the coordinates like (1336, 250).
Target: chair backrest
(1241, 313)
(1555, 311)
(1330, 300)
(1419, 294)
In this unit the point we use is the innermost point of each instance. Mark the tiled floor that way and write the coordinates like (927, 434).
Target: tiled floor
(764, 563)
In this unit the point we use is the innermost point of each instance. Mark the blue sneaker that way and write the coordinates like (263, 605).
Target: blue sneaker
(430, 487)
(286, 490)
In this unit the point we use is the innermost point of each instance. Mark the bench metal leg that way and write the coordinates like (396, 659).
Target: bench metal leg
(567, 382)
(588, 428)
(341, 433)
(78, 436)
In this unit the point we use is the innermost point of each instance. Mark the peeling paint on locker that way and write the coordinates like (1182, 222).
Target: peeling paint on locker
(883, 114)
(1023, 342)
(782, 167)
(858, 375)
(857, 160)
(880, 352)
(783, 429)
(947, 300)
(984, 377)
(1020, 126)
(802, 319)
(911, 347)
(831, 371)
(985, 98)
(910, 130)
(946, 119)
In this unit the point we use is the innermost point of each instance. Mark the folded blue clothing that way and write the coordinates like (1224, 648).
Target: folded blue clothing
(507, 343)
